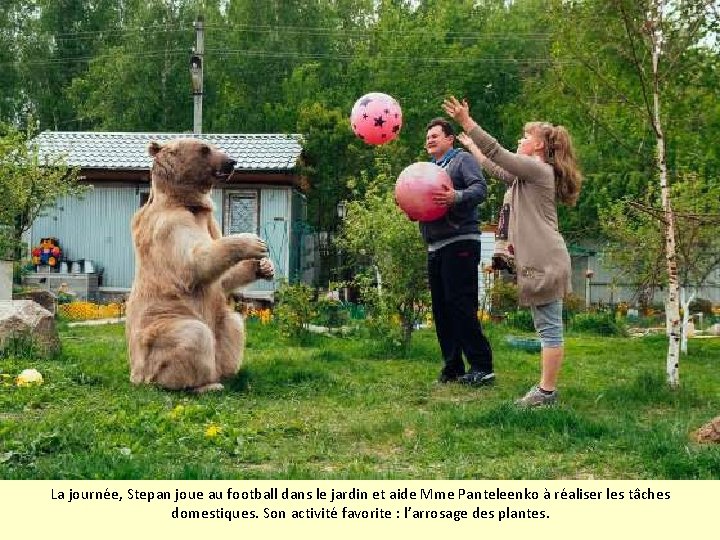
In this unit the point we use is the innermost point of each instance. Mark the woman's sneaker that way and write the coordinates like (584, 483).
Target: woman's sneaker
(537, 398)
(477, 378)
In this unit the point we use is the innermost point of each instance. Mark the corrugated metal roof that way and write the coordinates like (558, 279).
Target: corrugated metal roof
(118, 150)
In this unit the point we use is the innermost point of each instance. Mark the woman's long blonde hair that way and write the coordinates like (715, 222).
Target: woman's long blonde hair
(560, 154)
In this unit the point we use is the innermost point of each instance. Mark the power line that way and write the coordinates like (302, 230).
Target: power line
(87, 59)
(126, 30)
(443, 60)
(304, 30)
(371, 31)
(224, 52)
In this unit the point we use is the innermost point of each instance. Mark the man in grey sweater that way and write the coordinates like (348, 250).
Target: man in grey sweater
(453, 243)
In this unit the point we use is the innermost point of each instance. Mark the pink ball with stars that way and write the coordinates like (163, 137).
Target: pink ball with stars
(376, 118)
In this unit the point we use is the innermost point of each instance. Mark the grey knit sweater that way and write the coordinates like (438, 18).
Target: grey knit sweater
(542, 259)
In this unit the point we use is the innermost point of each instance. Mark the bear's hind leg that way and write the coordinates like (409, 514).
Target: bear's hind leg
(181, 355)
(230, 344)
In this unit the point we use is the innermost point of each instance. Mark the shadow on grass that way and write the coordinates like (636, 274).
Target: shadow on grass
(330, 355)
(670, 454)
(279, 378)
(651, 388)
(548, 420)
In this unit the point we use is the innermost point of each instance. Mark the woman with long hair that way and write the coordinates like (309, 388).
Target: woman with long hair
(541, 173)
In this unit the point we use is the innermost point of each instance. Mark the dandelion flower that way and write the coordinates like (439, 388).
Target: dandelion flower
(212, 430)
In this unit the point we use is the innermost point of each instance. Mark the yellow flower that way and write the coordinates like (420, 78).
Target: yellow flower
(177, 412)
(81, 310)
(212, 430)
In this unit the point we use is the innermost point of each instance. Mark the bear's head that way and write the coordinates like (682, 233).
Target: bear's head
(185, 168)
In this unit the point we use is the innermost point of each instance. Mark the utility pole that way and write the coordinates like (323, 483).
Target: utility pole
(196, 72)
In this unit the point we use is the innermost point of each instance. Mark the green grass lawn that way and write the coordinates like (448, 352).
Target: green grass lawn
(339, 409)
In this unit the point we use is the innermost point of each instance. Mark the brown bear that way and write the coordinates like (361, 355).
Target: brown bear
(181, 332)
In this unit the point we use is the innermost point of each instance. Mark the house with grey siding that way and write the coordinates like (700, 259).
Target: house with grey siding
(262, 196)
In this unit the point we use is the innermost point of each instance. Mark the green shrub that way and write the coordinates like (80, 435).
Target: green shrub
(331, 313)
(701, 305)
(503, 296)
(602, 324)
(573, 303)
(521, 319)
(295, 310)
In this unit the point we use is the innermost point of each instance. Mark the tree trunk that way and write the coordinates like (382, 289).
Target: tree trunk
(672, 309)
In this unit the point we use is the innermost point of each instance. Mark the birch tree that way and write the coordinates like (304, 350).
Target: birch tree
(626, 62)
(670, 29)
(655, 35)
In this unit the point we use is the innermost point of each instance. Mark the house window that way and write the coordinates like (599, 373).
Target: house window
(241, 212)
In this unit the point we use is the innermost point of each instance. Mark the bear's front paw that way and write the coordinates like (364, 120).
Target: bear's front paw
(250, 245)
(266, 269)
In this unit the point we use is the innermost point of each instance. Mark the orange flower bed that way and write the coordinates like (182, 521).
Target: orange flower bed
(82, 311)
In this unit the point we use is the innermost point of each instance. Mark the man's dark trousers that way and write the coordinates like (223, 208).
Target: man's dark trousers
(453, 275)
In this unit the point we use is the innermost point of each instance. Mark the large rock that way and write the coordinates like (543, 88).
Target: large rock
(45, 298)
(28, 320)
(710, 432)
(714, 330)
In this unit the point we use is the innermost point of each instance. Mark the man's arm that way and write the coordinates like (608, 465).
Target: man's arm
(475, 190)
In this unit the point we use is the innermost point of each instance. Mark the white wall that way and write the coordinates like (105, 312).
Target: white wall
(487, 248)
(6, 280)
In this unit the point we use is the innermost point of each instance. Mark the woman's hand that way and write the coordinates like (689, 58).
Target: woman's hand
(468, 143)
(460, 112)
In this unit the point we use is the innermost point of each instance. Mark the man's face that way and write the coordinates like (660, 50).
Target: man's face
(437, 143)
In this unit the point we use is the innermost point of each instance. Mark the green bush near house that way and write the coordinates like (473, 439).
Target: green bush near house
(701, 305)
(601, 324)
(503, 296)
(295, 310)
(520, 319)
(331, 313)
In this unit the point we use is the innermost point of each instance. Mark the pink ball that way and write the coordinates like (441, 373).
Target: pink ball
(415, 187)
(376, 118)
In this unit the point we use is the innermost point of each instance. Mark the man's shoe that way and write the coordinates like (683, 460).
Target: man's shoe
(446, 377)
(477, 378)
(536, 398)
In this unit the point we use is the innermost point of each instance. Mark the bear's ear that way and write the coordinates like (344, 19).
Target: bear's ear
(154, 148)
(205, 150)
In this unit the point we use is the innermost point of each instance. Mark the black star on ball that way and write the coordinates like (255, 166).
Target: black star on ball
(379, 121)
(365, 102)
(396, 129)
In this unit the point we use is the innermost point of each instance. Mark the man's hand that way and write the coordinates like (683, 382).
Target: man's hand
(444, 196)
